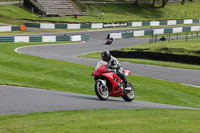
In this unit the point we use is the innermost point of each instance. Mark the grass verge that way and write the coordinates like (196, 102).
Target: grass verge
(130, 12)
(37, 72)
(173, 47)
(96, 55)
(112, 13)
(179, 46)
(105, 121)
(17, 33)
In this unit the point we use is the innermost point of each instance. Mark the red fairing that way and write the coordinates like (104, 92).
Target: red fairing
(99, 71)
(126, 72)
(108, 83)
(112, 77)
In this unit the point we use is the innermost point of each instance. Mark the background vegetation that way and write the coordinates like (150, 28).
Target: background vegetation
(112, 13)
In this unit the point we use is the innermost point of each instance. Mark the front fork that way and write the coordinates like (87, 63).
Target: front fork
(103, 82)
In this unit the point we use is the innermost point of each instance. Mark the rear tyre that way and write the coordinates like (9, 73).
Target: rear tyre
(102, 92)
(129, 94)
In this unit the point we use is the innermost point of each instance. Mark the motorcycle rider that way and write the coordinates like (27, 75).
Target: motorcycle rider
(114, 64)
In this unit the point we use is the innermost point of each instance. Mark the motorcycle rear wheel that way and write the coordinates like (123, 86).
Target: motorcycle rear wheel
(130, 94)
(101, 92)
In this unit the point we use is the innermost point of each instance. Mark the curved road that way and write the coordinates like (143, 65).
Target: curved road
(25, 100)
(69, 52)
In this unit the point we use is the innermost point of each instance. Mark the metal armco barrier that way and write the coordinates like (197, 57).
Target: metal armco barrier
(18, 39)
(9, 28)
(106, 25)
(130, 34)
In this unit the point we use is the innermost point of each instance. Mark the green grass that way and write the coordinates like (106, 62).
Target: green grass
(192, 47)
(17, 33)
(180, 46)
(112, 13)
(105, 121)
(11, 14)
(128, 12)
(24, 70)
(161, 63)
(147, 62)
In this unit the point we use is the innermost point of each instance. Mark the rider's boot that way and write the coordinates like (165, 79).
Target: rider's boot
(126, 87)
(123, 77)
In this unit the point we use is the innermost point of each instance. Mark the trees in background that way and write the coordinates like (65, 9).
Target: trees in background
(153, 2)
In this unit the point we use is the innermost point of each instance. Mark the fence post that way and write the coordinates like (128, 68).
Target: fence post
(169, 38)
(103, 16)
(152, 38)
(32, 10)
(155, 38)
(149, 39)
(186, 39)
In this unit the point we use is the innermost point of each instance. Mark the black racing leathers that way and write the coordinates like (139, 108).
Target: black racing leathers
(114, 64)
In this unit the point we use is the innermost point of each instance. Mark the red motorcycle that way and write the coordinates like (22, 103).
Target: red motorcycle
(109, 84)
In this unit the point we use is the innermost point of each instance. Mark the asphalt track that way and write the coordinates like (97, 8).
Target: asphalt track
(19, 100)
(26, 100)
(69, 52)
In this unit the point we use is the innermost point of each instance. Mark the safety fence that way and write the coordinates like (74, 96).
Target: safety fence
(64, 26)
(18, 39)
(10, 28)
(137, 33)
(105, 25)
(165, 22)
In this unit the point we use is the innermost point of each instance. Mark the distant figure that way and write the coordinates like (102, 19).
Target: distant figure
(162, 38)
(108, 36)
(109, 41)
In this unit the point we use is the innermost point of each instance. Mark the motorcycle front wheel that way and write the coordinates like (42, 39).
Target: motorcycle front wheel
(129, 94)
(102, 92)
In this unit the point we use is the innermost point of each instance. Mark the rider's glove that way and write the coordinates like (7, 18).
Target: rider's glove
(109, 67)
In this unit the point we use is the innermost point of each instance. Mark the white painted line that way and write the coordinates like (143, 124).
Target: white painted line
(47, 26)
(76, 38)
(97, 25)
(48, 38)
(154, 23)
(74, 26)
(18, 39)
(44, 45)
(191, 85)
(188, 21)
(5, 28)
(136, 24)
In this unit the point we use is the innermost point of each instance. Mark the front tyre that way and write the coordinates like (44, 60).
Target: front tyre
(102, 92)
(129, 94)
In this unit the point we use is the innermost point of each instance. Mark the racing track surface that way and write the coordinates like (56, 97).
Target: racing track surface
(69, 52)
(15, 100)
(25, 100)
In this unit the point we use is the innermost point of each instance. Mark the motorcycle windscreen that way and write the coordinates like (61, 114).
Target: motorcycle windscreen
(100, 63)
